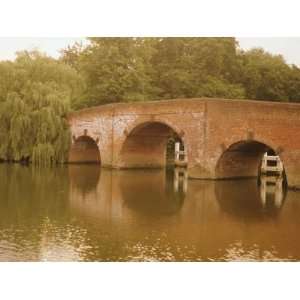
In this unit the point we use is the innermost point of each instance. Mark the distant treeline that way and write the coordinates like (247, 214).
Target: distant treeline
(36, 91)
(139, 69)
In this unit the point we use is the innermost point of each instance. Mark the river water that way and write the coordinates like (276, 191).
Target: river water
(84, 213)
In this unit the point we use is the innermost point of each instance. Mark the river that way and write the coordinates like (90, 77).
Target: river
(84, 213)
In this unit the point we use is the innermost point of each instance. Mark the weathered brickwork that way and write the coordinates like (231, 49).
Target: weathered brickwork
(223, 138)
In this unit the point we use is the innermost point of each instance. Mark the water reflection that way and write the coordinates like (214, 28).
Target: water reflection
(80, 212)
(150, 193)
(249, 200)
(84, 177)
(272, 191)
(30, 198)
(180, 176)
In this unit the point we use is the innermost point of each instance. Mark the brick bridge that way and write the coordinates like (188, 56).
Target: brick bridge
(223, 138)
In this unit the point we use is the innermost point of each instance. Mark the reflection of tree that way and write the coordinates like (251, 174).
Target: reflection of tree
(28, 192)
(29, 197)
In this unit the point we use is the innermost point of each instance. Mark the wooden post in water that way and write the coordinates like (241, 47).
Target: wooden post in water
(176, 180)
(180, 179)
(271, 186)
(180, 162)
(278, 192)
(263, 191)
(277, 166)
(177, 151)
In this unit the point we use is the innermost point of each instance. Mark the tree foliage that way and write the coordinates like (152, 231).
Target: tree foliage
(115, 69)
(138, 69)
(35, 95)
(265, 76)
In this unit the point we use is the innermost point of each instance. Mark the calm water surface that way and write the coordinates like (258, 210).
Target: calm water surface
(82, 213)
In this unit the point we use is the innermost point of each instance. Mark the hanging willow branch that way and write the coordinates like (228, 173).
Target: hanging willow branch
(32, 115)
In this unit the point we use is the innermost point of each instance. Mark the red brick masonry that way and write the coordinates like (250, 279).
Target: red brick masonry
(223, 138)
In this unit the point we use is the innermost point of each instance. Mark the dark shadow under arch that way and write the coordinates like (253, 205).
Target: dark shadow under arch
(146, 146)
(242, 159)
(84, 150)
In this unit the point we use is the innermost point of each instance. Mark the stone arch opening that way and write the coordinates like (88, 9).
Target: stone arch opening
(150, 145)
(243, 160)
(84, 150)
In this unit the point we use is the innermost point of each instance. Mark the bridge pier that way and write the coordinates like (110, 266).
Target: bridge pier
(291, 164)
(201, 172)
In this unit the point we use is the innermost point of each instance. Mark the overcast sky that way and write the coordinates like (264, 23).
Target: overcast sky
(288, 47)
(51, 46)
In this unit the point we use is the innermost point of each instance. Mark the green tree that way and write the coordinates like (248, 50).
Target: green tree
(292, 84)
(37, 95)
(264, 76)
(196, 67)
(139, 69)
(115, 69)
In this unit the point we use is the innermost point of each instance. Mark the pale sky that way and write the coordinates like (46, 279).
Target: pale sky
(289, 47)
(51, 46)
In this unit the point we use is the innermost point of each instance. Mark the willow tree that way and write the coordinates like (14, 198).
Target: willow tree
(38, 94)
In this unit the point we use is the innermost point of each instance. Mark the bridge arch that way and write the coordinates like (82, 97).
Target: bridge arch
(146, 145)
(84, 149)
(242, 159)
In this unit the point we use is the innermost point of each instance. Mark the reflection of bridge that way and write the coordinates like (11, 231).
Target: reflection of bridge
(108, 193)
(140, 206)
(272, 187)
(223, 138)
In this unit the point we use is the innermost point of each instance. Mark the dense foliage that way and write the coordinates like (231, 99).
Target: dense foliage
(37, 92)
(138, 69)
(35, 95)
